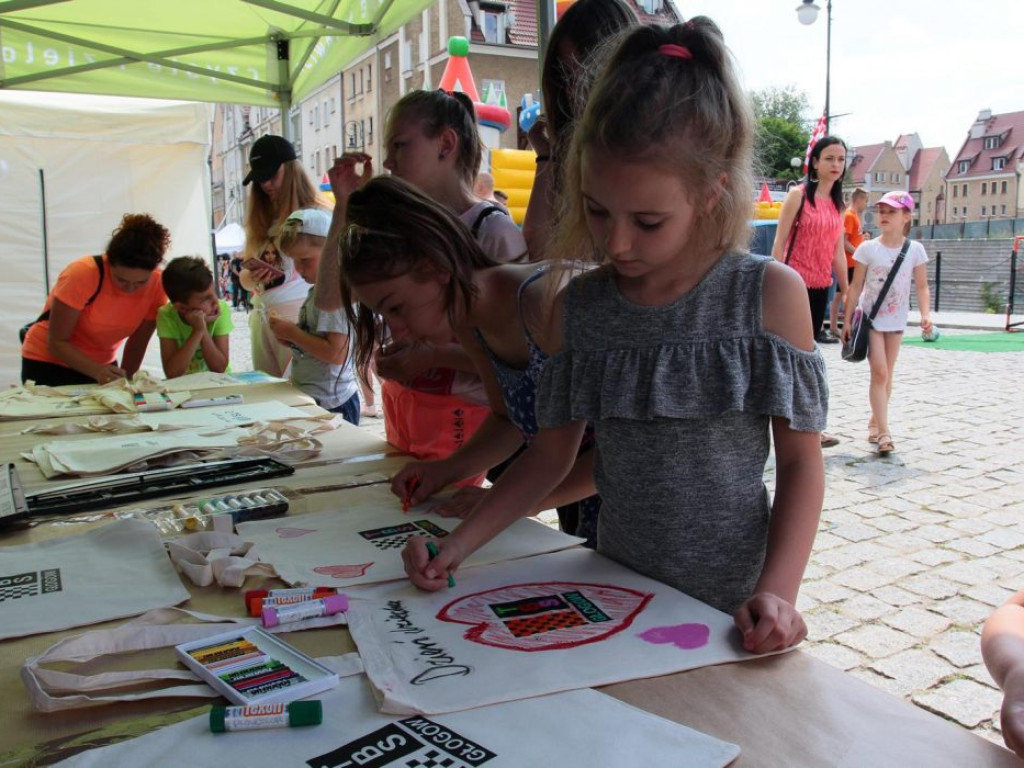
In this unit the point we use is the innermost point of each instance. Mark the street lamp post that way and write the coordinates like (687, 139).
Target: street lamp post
(807, 13)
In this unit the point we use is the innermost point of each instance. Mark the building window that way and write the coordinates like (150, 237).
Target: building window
(984, 187)
(326, 114)
(1003, 211)
(369, 77)
(983, 210)
(405, 57)
(351, 86)
(954, 190)
(963, 190)
(311, 117)
(956, 211)
(316, 117)
(1003, 188)
(319, 170)
(494, 25)
(387, 60)
(369, 135)
(963, 166)
(992, 142)
(334, 106)
(998, 163)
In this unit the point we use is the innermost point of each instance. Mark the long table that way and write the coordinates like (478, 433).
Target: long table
(788, 710)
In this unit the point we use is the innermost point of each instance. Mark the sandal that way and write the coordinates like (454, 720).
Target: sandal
(872, 434)
(885, 444)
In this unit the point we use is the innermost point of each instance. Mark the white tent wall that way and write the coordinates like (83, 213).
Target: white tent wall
(101, 157)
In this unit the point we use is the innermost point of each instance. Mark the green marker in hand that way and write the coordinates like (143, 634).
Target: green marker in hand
(432, 551)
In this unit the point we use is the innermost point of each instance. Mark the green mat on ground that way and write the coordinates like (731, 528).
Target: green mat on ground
(970, 342)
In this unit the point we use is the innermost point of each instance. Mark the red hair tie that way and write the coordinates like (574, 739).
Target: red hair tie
(678, 51)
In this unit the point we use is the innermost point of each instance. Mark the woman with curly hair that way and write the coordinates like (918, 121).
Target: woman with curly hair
(99, 303)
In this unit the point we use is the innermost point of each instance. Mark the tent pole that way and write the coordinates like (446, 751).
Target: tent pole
(285, 94)
(46, 244)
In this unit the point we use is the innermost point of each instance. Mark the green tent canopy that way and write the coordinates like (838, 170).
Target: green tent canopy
(260, 52)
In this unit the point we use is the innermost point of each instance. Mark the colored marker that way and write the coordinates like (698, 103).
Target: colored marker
(258, 594)
(432, 551)
(411, 484)
(256, 716)
(258, 603)
(324, 606)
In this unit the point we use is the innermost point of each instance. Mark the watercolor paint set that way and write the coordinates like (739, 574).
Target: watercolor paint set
(250, 666)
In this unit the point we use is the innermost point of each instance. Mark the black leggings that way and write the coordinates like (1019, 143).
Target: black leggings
(818, 298)
(51, 374)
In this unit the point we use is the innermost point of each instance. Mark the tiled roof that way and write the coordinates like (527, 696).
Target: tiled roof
(864, 158)
(1009, 126)
(922, 166)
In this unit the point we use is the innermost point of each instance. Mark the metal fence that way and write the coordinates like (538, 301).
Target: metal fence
(986, 229)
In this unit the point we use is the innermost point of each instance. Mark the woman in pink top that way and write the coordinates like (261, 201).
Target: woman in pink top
(809, 237)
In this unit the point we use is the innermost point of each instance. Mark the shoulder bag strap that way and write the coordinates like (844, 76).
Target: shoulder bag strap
(99, 266)
(796, 225)
(888, 280)
(484, 213)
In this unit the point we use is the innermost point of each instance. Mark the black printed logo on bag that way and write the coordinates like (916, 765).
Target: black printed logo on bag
(412, 743)
(31, 584)
(395, 536)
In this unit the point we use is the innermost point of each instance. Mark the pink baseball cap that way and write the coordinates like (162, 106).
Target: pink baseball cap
(897, 200)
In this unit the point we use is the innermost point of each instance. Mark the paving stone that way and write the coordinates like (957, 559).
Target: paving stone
(971, 546)
(917, 622)
(937, 534)
(826, 591)
(1003, 538)
(861, 579)
(992, 594)
(834, 654)
(965, 701)
(934, 556)
(971, 525)
(856, 532)
(930, 586)
(876, 641)
(966, 572)
(963, 611)
(896, 596)
(906, 543)
(915, 670)
(864, 608)
(837, 559)
(980, 673)
(962, 649)
(823, 624)
(805, 603)
(893, 524)
(895, 567)
(825, 541)
(960, 507)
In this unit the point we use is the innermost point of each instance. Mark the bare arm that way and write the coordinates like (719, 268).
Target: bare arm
(860, 271)
(345, 179)
(768, 619)
(63, 320)
(1002, 647)
(135, 347)
(331, 348)
(537, 222)
(787, 215)
(839, 266)
(924, 298)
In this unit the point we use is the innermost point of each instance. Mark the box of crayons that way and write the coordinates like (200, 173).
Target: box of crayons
(250, 666)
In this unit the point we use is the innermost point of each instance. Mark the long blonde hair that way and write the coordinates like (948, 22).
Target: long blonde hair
(263, 215)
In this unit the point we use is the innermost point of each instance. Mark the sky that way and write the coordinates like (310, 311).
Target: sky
(924, 66)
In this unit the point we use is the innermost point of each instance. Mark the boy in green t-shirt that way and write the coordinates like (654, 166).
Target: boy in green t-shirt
(194, 326)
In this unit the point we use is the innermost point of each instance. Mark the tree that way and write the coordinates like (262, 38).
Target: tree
(781, 130)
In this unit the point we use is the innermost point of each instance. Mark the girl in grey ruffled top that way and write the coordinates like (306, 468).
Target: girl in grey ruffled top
(682, 351)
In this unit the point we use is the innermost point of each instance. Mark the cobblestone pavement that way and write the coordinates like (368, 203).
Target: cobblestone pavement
(914, 550)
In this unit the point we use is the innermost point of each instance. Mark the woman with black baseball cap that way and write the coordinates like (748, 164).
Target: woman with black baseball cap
(280, 186)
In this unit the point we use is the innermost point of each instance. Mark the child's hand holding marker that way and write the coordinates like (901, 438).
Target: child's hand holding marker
(417, 481)
(431, 567)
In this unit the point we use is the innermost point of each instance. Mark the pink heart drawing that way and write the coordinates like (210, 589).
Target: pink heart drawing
(685, 636)
(293, 533)
(546, 616)
(343, 571)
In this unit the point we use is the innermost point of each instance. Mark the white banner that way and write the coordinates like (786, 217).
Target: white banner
(530, 627)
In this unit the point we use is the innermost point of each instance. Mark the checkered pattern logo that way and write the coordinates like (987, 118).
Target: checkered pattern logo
(412, 743)
(395, 536)
(31, 584)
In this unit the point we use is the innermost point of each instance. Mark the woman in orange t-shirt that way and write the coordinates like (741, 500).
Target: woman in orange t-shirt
(90, 313)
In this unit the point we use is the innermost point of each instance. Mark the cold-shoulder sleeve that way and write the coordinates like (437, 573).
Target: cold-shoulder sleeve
(760, 374)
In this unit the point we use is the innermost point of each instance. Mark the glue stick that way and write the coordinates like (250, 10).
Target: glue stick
(257, 716)
(324, 606)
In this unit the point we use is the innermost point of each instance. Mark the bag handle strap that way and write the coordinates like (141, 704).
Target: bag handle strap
(889, 278)
(795, 227)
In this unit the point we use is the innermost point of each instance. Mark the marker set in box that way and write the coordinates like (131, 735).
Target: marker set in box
(281, 606)
(199, 515)
(250, 667)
